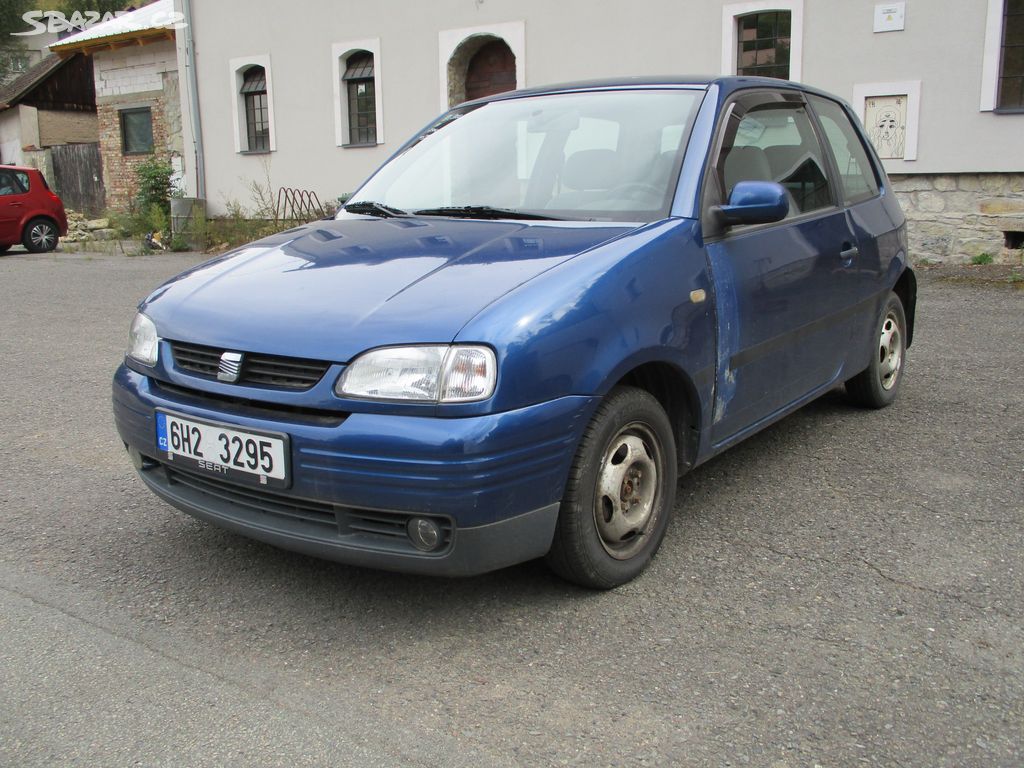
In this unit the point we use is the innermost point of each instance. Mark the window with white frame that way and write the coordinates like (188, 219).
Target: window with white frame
(252, 104)
(763, 38)
(358, 100)
(763, 44)
(362, 102)
(257, 110)
(1010, 93)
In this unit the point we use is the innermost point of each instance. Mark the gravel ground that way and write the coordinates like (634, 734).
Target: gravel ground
(845, 588)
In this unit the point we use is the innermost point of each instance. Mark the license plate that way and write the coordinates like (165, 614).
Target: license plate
(239, 455)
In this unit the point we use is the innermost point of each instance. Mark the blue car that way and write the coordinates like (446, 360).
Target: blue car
(519, 333)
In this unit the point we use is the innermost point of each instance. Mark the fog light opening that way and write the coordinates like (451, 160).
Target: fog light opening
(424, 534)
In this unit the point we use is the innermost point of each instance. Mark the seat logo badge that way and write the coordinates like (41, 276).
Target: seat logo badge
(230, 367)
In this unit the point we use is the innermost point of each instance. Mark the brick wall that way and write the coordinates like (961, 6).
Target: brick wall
(119, 168)
(129, 78)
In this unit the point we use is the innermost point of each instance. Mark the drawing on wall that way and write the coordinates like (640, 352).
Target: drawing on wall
(885, 118)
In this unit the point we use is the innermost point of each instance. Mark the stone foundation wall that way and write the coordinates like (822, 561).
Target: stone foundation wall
(957, 217)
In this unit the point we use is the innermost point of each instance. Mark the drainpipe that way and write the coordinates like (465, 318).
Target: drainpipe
(193, 99)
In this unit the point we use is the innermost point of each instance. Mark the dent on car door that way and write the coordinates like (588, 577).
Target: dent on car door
(782, 289)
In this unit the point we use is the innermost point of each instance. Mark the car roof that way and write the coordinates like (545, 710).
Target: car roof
(19, 168)
(727, 84)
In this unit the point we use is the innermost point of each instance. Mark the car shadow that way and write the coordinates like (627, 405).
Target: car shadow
(252, 581)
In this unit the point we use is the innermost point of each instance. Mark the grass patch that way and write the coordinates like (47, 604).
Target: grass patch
(982, 258)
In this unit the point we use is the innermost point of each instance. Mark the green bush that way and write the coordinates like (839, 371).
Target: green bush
(982, 258)
(180, 243)
(154, 183)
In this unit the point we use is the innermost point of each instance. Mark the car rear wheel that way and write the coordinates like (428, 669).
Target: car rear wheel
(619, 495)
(4, 248)
(878, 384)
(40, 236)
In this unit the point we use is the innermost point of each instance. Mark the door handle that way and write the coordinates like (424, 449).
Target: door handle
(849, 252)
(16, 205)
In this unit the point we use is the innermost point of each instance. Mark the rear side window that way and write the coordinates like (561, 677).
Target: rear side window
(775, 141)
(856, 175)
(13, 183)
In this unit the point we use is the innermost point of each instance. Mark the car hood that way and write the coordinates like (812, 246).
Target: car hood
(332, 289)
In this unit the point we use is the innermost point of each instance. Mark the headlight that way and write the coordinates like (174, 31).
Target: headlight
(143, 343)
(434, 374)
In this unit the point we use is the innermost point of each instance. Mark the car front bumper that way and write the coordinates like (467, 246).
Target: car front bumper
(492, 483)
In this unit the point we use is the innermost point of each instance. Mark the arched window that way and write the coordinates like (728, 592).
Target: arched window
(257, 111)
(358, 82)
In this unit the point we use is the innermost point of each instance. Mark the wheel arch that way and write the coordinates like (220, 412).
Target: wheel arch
(676, 393)
(29, 220)
(906, 289)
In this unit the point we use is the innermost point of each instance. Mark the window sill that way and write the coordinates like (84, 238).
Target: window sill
(358, 146)
(255, 151)
(1009, 110)
(137, 154)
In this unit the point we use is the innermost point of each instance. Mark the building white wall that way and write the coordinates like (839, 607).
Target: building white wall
(133, 70)
(942, 47)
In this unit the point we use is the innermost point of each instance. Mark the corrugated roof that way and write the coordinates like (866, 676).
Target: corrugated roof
(15, 90)
(156, 15)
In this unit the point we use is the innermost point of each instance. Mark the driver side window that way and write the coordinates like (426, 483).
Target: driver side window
(771, 138)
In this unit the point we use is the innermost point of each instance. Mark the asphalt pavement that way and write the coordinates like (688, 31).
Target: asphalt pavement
(845, 588)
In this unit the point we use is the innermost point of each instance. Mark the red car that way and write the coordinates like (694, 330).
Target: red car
(30, 213)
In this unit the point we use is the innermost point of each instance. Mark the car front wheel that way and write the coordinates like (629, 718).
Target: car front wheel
(40, 236)
(619, 495)
(877, 385)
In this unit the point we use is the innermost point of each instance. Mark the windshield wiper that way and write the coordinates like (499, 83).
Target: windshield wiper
(375, 209)
(482, 212)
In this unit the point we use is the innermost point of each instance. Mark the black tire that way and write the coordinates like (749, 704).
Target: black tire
(592, 554)
(4, 248)
(878, 384)
(40, 236)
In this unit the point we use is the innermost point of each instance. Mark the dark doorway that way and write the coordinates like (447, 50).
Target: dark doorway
(491, 70)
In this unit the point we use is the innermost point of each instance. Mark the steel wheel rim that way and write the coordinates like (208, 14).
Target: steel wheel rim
(628, 492)
(42, 236)
(890, 352)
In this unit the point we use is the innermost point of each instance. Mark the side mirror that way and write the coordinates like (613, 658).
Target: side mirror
(754, 202)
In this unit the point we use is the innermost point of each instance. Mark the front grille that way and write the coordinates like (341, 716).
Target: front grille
(302, 510)
(248, 408)
(257, 369)
(359, 527)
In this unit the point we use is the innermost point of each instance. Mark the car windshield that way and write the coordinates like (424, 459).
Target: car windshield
(602, 155)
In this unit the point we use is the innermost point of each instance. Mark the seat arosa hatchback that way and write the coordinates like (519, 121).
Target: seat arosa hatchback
(525, 326)
(30, 213)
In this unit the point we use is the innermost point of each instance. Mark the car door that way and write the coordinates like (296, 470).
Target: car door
(873, 226)
(782, 289)
(13, 198)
